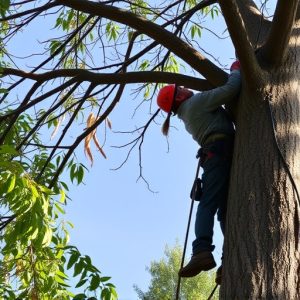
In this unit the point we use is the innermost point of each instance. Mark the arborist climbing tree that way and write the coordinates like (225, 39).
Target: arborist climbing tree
(82, 63)
(211, 127)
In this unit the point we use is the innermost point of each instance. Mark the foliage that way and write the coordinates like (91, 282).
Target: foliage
(164, 280)
(34, 247)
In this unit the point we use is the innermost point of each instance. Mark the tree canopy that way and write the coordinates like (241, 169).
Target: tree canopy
(164, 280)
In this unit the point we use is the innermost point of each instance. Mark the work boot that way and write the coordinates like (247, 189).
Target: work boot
(202, 261)
(218, 279)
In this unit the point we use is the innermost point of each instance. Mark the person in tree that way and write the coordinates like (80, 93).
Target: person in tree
(211, 127)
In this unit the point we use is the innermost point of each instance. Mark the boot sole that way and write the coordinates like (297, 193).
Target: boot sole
(195, 271)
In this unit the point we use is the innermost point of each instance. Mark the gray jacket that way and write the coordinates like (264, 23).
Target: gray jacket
(203, 113)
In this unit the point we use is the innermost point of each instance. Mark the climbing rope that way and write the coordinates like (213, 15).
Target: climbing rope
(213, 291)
(288, 171)
(286, 166)
(187, 230)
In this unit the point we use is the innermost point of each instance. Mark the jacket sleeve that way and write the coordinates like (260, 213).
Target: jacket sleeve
(212, 99)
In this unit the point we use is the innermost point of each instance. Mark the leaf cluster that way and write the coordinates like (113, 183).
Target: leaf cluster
(34, 251)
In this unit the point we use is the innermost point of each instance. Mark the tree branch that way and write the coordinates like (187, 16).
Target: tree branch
(240, 39)
(256, 25)
(115, 78)
(183, 50)
(275, 47)
(29, 11)
(66, 128)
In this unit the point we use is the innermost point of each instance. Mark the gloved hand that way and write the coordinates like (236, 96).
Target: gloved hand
(235, 66)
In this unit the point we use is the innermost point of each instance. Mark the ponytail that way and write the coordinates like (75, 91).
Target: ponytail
(166, 125)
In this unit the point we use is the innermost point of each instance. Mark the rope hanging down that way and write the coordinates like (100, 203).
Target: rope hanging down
(187, 231)
(288, 171)
(194, 192)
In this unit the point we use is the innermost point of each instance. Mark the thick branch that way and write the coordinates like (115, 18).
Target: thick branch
(276, 45)
(215, 75)
(115, 78)
(240, 39)
(256, 25)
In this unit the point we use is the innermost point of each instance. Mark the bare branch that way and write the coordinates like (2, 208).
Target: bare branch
(182, 49)
(86, 95)
(44, 116)
(29, 11)
(240, 39)
(115, 78)
(37, 100)
(275, 47)
(55, 53)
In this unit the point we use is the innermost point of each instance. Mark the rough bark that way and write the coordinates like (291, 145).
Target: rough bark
(261, 253)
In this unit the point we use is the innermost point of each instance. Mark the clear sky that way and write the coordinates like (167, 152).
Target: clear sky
(118, 221)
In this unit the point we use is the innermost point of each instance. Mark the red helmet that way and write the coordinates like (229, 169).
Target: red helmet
(165, 97)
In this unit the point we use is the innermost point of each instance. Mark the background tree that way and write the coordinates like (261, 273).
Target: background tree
(164, 280)
(143, 42)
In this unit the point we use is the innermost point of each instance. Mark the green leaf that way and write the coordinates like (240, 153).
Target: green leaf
(34, 234)
(11, 183)
(73, 258)
(62, 196)
(12, 166)
(70, 224)
(64, 185)
(54, 46)
(73, 172)
(3, 91)
(95, 282)
(80, 297)
(59, 208)
(60, 281)
(47, 237)
(106, 294)
(78, 268)
(61, 274)
(81, 283)
(80, 174)
(103, 279)
(4, 6)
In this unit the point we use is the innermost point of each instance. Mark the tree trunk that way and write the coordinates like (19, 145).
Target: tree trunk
(261, 251)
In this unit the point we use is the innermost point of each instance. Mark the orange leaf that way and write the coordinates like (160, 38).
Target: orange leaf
(98, 146)
(108, 123)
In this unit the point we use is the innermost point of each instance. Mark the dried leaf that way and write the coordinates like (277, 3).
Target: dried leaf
(87, 148)
(98, 146)
(60, 120)
(108, 123)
